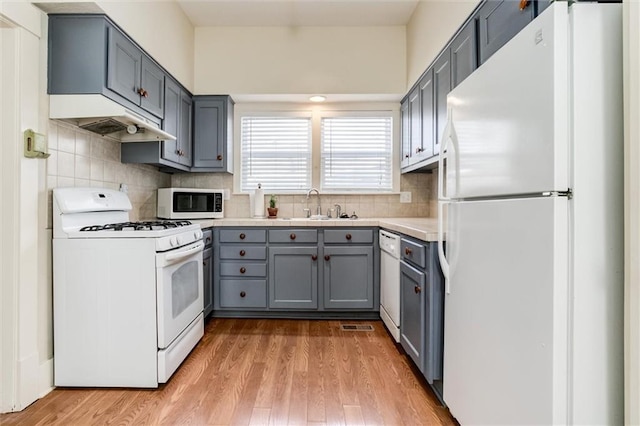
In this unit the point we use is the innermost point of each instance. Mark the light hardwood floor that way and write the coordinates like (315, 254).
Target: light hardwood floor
(253, 371)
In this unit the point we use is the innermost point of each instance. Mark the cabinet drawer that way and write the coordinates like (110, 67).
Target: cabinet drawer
(243, 236)
(243, 293)
(243, 252)
(296, 236)
(243, 269)
(348, 236)
(414, 252)
(207, 237)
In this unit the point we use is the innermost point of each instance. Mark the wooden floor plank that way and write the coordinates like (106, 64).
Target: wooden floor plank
(263, 371)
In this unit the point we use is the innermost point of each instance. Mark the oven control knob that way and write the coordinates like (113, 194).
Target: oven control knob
(173, 242)
(197, 235)
(180, 240)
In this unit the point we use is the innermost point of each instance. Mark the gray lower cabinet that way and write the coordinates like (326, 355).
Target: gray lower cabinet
(293, 277)
(207, 271)
(348, 279)
(422, 308)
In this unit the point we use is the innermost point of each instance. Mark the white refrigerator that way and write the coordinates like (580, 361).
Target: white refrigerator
(530, 201)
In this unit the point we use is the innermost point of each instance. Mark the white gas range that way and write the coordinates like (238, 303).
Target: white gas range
(128, 296)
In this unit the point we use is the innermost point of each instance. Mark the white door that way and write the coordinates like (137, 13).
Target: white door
(505, 346)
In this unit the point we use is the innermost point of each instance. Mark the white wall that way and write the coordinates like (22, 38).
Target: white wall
(300, 60)
(632, 210)
(162, 29)
(431, 26)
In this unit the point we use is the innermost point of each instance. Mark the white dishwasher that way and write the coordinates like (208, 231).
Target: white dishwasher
(390, 282)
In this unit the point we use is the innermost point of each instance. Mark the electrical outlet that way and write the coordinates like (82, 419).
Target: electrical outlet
(124, 188)
(405, 197)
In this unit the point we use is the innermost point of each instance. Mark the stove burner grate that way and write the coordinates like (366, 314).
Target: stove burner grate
(138, 226)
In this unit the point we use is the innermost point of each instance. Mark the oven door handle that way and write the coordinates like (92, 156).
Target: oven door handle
(170, 257)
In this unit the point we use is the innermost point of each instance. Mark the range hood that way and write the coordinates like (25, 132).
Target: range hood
(101, 115)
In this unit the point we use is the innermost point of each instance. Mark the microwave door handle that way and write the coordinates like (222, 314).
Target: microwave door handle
(184, 253)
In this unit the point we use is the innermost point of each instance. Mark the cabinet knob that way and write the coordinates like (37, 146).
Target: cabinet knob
(243, 294)
(348, 237)
(243, 270)
(242, 252)
(219, 157)
(406, 156)
(407, 251)
(292, 236)
(314, 257)
(417, 289)
(242, 236)
(419, 150)
(327, 257)
(207, 240)
(524, 4)
(143, 93)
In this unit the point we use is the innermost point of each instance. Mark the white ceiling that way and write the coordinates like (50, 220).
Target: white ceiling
(298, 12)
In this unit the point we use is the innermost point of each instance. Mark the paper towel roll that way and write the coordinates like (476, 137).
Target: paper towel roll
(258, 202)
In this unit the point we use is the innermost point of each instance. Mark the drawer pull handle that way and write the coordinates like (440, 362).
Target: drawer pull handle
(219, 157)
(327, 257)
(314, 257)
(243, 270)
(207, 240)
(348, 237)
(292, 236)
(417, 289)
(407, 251)
(243, 294)
(242, 236)
(242, 252)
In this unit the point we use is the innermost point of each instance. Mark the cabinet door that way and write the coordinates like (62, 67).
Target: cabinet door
(412, 319)
(499, 21)
(208, 136)
(152, 82)
(442, 87)
(464, 53)
(185, 128)
(404, 138)
(170, 149)
(208, 283)
(293, 277)
(428, 116)
(348, 277)
(124, 64)
(415, 127)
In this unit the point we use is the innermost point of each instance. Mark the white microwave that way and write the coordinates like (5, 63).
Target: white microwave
(190, 203)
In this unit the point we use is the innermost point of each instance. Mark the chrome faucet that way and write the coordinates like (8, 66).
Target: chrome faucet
(338, 210)
(319, 208)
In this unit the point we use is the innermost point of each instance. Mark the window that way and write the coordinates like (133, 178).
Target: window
(356, 154)
(276, 152)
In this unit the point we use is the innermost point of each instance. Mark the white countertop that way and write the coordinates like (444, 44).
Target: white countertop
(422, 228)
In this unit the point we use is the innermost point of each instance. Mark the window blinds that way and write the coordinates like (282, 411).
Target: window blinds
(356, 154)
(276, 152)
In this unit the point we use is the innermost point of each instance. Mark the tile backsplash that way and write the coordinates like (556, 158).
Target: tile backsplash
(421, 185)
(81, 158)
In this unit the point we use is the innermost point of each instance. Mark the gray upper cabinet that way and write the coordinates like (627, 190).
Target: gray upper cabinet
(464, 53)
(133, 75)
(405, 132)
(415, 130)
(499, 21)
(213, 134)
(442, 87)
(293, 277)
(427, 115)
(89, 54)
(169, 155)
(178, 113)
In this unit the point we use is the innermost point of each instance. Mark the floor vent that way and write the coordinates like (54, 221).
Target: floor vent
(356, 327)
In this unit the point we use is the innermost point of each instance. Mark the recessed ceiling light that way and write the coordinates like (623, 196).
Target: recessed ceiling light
(318, 98)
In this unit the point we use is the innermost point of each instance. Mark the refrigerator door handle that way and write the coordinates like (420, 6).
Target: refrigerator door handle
(444, 264)
(448, 146)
